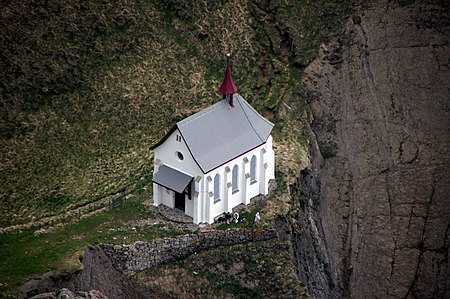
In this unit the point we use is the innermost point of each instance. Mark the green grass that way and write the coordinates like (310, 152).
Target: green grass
(82, 109)
(251, 270)
(230, 286)
(88, 88)
(25, 255)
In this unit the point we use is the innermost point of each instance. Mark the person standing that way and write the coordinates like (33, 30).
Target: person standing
(257, 218)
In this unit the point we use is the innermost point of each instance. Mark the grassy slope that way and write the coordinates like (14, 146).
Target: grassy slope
(249, 270)
(28, 255)
(87, 141)
(87, 88)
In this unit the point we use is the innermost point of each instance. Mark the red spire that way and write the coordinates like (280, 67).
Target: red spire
(228, 86)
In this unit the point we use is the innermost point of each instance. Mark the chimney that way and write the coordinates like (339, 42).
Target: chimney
(228, 87)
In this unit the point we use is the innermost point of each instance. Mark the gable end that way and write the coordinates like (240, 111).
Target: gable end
(174, 127)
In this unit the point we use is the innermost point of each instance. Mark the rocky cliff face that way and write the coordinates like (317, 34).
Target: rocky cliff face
(373, 209)
(98, 274)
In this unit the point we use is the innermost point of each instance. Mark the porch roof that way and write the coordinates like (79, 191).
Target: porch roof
(172, 178)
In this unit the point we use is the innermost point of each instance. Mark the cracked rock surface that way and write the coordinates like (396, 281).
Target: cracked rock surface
(374, 207)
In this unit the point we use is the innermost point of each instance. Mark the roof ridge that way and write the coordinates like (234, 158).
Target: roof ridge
(246, 116)
(219, 132)
(256, 113)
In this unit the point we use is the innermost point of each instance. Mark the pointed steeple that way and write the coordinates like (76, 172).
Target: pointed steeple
(228, 87)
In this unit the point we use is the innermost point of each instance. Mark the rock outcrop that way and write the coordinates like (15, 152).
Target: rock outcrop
(97, 274)
(373, 211)
(68, 294)
(107, 267)
(142, 255)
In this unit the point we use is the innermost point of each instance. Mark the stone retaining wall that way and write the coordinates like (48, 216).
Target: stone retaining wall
(142, 255)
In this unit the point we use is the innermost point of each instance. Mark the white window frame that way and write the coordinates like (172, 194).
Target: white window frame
(235, 179)
(217, 188)
(253, 170)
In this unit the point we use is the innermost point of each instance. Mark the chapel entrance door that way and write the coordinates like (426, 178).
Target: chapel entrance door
(180, 201)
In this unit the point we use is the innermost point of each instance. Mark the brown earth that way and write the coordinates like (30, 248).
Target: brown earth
(252, 270)
(373, 215)
(98, 274)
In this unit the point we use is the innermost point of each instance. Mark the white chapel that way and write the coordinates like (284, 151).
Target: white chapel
(215, 159)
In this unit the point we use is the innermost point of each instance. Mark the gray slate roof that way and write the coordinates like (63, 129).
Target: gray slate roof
(172, 179)
(221, 133)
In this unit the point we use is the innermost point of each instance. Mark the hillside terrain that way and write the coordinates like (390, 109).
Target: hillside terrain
(249, 270)
(87, 87)
(372, 217)
(358, 92)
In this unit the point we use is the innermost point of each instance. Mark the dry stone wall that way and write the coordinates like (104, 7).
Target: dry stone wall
(130, 259)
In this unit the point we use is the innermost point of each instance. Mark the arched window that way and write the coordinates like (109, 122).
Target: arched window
(217, 188)
(234, 179)
(253, 170)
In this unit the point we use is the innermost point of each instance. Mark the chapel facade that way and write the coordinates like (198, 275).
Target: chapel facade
(215, 159)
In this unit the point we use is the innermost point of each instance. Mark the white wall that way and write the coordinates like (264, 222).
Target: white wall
(246, 190)
(167, 196)
(270, 159)
(201, 206)
(167, 154)
(189, 206)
